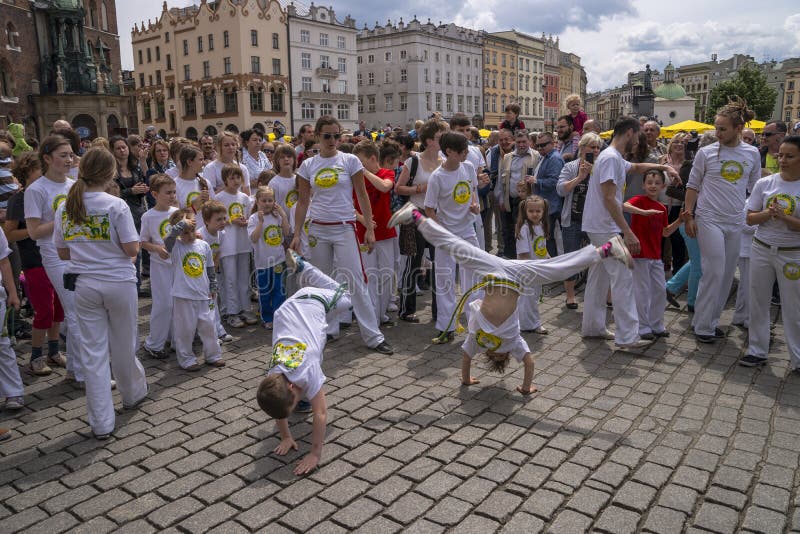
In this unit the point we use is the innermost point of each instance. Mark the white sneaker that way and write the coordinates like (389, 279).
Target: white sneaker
(638, 344)
(404, 215)
(225, 338)
(620, 252)
(234, 321)
(605, 334)
(249, 318)
(14, 403)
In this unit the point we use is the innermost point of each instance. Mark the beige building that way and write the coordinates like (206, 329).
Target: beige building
(499, 77)
(791, 97)
(213, 67)
(530, 73)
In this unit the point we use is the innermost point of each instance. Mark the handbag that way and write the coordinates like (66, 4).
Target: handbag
(408, 232)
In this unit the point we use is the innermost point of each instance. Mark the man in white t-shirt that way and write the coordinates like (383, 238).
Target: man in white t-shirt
(602, 220)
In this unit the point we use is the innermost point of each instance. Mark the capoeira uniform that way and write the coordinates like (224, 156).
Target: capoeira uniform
(155, 227)
(536, 247)
(10, 379)
(234, 255)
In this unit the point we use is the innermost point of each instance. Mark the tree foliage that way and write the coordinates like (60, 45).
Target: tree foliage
(750, 84)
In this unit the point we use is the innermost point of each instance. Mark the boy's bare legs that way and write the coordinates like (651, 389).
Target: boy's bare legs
(466, 375)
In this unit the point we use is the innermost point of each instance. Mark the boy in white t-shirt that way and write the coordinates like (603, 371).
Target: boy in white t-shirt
(194, 290)
(295, 368)
(215, 216)
(155, 227)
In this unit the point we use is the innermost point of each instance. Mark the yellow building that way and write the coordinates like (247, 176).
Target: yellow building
(213, 67)
(791, 97)
(499, 78)
(530, 76)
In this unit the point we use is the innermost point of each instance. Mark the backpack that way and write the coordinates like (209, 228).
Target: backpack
(398, 201)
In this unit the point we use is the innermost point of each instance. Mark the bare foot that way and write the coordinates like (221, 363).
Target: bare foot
(528, 392)
(471, 381)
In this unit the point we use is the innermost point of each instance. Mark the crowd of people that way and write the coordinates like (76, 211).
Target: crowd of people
(338, 226)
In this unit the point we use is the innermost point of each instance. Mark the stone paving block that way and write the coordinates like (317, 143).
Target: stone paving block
(119, 477)
(438, 485)
(732, 478)
(136, 527)
(523, 522)
(208, 518)
(498, 471)
(100, 504)
(611, 473)
(678, 498)
(136, 508)
(303, 518)
(357, 513)
(390, 490)
(635, 496)
(716, 518)
(380, 525)
(149, 482)
(345, 491)
(475, 524)
(24, 519)
(771, 497)
(35, 496)
(570, 521)
(664, 521)
(408, 507)
(617, 520)
(260, 515)
(219, 489)
(98, 525)
(68, 499)
(652, 474)
(588, 501)
(570, 474)
(543, 503)
(184, 485)
(500, 505)
(763, 520)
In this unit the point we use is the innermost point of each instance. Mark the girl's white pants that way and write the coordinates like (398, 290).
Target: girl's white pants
(55, 272)
(719, 251)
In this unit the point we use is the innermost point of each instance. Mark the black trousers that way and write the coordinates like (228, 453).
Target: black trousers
(509, 222)
(411, 276)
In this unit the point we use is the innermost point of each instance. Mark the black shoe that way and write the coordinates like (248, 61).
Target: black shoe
(330, 338)
(648, 336)
(752, 361)
(572, 305)
(661, 334)
(672, 300)
(384, 348)
(303, 407)
(720, 333)
(705, 339)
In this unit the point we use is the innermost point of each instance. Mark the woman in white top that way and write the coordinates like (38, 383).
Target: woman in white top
(721, 175)
(427, 161)
(227, 149)
(252, 157)
(775, 253)
(95, 232)
(327, 181)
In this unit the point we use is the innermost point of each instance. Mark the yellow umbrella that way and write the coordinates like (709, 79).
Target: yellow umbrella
(607, 134)
(685, 126)
(756, 125)
(271, 136)
(287, 138)
(484, 133)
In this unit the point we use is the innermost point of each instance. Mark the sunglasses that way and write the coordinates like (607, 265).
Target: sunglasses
(331, 136)
(542, 145)
(268, 151)
(770, 134)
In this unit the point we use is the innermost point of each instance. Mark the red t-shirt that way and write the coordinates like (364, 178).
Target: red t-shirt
(649, 229)
(381, 208)
(578, 121)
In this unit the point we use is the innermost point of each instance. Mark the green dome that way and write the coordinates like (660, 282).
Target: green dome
(670, 91)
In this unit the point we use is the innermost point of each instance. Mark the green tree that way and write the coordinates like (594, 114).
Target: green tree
(750, 84)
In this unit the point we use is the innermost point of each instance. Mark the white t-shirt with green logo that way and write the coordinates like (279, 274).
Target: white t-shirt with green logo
(42, 199)
(771, 189)
(451, 193)
(235, 240)
(189, 263)
(155, 227)
(331, 186)
(268, 249)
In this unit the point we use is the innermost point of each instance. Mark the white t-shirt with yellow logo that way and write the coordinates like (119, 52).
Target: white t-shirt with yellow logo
(189, 262)
(771, 189)
(484, 336)
(268, 249)
(286, 195)
(42, 199)
(331, 186)
(235, 240)
(536, 246)
(451, 193)
(155, 227)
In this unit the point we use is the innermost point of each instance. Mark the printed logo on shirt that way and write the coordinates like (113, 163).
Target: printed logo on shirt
(58, 200)
(327, 177)
(164, 228)
(214, 251)
(290, 356)
(235, 211)
(193, 265)
(292, 198)
(791, 271)
(305, 225)
(190, 198)
(540, 246)
(462, 192)
(786, 202)
(488, 341)
(94, 228)
(273, 236)
(312, 241)
(731, 170)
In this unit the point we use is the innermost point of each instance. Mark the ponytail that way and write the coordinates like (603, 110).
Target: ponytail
(97, 167)
(75, 209)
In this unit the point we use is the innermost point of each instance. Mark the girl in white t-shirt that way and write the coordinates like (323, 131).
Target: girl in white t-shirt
(227, 151)
(284, 183)
(95, 232)
(532, 230)
(191, 189)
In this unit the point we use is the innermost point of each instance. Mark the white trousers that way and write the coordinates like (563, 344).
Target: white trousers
(445, 280)
(10, 379)
(55, 272)
(339, 242)
(528, 306)
(189, 316)
(614, 273)
(236, 283)
(650, 289)
(161, 309)
(741, 313)
(479, 231)
(107, 318)
(379, 266)
(719, 251)
(770, 264)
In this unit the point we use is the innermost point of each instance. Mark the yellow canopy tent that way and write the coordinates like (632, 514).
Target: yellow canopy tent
(756, 125)
(484, 133)
(685, 126)
(607, 134)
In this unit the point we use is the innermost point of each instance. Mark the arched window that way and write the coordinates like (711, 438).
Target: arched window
(103, 17)
(256, 99)
(210, 130)
(92, 15)
(13, 36)
(191, 133)
(8, 89)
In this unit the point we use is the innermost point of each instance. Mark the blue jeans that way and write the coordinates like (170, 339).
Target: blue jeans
(573, 238)
(690, 272)
(271, 292)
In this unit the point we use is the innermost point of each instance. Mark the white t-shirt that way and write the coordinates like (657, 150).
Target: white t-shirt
(213, 241)
(155, 227)
(268, 250)
(190, 261)
(475, 157)
(235, 240)
(42, 199)
(609, 166)
(422, 177)
(451, 193)
(331, 186)
(94, 246)
(212, 172)
(771, 189)
(535, 246)
(187, 191)
(286, 195)
(5, 251)
(484, 336)
(722, 176)
(173, 172)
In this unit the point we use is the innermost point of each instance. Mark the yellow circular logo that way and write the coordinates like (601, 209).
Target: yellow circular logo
(791, 271)
(214, 250)
(305, 225)
(190, 197)
(363, 247)
(273, 236)
(786, 202)
(488, 341)
(235, 211)
(731, 171)
(193, 264)
(58, 200)
(312, 241)
(326, 178)
(462, 193)
(540, 246)
(278, 268)
(291, 198)
(164, 228)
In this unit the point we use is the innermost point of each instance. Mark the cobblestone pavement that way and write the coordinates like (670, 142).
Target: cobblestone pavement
(676, 438)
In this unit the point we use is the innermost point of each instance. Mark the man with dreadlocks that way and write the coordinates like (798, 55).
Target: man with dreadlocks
(494, 319)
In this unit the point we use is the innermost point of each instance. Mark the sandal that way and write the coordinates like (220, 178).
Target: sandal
(410, 318)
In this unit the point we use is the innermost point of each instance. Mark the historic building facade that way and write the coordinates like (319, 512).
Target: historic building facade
(530, 76)
(499, 77)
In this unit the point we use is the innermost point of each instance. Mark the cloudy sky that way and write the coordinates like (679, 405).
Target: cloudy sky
(612, 37)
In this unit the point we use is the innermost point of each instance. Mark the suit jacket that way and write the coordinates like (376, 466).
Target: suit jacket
(503, 187)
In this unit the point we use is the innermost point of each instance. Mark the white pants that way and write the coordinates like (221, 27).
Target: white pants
(379, 266)
(445, 280)
(236, 283)
(528, 306)
(650, 289)
(479, 231)
(620, 278)
(189, 316)
(770, 264)
(741, 313)
(161, 309)
(107, 316)
(340, 241)
(55, 272)
(719, 252)
(10, 379)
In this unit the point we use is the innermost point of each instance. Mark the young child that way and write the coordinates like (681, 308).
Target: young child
(532, 231)
(215, 217)
(194, 290)
(234, 249)
(155, 227)
(378, 264)
(267, 226)
(191, 190)
(579, 118)
(650, 224)
(452, 200)
(284, 182)
(511, 117)
(295, 368)
(11, 386)
(494, 322)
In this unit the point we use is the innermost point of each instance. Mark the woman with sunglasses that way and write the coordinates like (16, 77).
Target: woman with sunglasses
(252, 156)
(327, 181)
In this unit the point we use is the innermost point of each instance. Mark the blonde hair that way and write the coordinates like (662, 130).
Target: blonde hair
(262, 190)
(573, 98)
(160, 180)
(101, 142)
(97, 167)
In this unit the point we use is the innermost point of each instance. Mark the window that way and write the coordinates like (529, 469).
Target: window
(226, 39)
(477, 103)
(306, 83)
(403, 75)
(149, 56)
(789, 99)
(425, 55)
(209, 102)
(387, 56)
(226, 62)
(359, 60)
(305, 37)
(103, 17)
(305, 61)
(166, 37)
(494, 58)
(140, 58)
(459, 60)
(438, 101)
(255, 64)
(403, 102)
(186, 73)
(185, 47)
(323, 41)
(342, 87)
(371, 58)
(387, 76)
(148, 113)
(361, 104)
(342, 65)
(254, 37)
(503, 81)
(791, 85)
(230, 101)
(371, 104)
(436, 57)
(494, 103)
(210, 42)
(469, 80)
(199, 43)
(325, 84)
(171, 92)
(438, 78)
(359, 79)
(494, 80)
(190, 105)
(371, 78)
(158, 53)
(158, 77)
(276, 67)
(469, 104)
(788, 116)
(206, 69)
(343, 112)
(427, 76)
(502, 60)
(256, 99)
(428, 101)
(307, 110)
(141, 79)
(460, 100)
(150, 79)
(325, 62)
(276, 41)
(276, 99)
(389, 100)
(447, 58)
(459, 79)
(447, 78)
(468, 61)
(403, 54)
(449, 101)
(341, 42)
(325, 109)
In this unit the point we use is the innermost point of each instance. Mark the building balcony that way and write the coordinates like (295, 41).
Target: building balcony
(327, 72)
(329, 97)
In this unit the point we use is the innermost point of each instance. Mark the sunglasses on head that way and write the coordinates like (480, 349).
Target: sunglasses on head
(331, 136)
